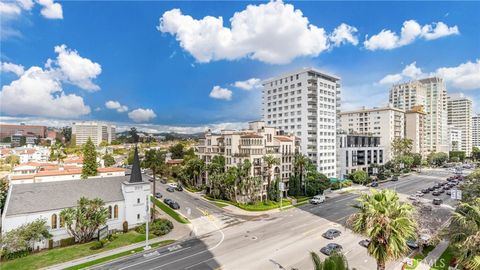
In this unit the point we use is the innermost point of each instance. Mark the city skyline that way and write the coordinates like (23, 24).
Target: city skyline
(200, 84)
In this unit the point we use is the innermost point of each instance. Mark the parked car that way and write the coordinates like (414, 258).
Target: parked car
(163, 181)
(395, 178)
(317, 199)
(449, 192)
(179, 188)
(331, 233)
(374, 184)
(411, 243)
(174, 205)
(173, 185)
(425, 190)
(436, 186)
(441, 190)
(331, 248)
(167, 201)
(419, 194)
(431, 188)
(158, 195)
(364, 242)
(437, 201)
(170, 189)
(412, 197)
(436, 193)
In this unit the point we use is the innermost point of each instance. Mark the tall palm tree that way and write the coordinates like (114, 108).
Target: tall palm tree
(270, 161)
(388, 223)
(300, 163)
(465, 233)
(336, 261)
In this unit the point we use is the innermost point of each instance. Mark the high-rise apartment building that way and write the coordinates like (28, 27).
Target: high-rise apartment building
(432, 94)
(386, 122)
(251, 144)
(455, 139)
(415, 129)
(476, 131)
(96, 131)
(306, 103)
(460, 113)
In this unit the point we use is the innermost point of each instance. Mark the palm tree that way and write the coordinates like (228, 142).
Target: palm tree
(57, 152)
(155, 161)
(300, 163)
(336, 261)
(270, 161)
(387, 222)
(465, 233)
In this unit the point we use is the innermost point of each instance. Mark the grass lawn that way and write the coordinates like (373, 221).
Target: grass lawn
(65, 254)
(169, 211)
(219, 204)
(444, 260)
(301, 199)
(118, 255)
(258, 206)
(193, 189)
(419, 257)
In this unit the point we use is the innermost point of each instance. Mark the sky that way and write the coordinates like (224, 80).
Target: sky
(185, 66)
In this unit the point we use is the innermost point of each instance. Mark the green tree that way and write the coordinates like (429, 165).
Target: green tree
(25, 236)
(108, 160)
(103, 144)
(133, 135)
(300, 161)
(12, 160)
(457, 156)
(437, 159)
(401, 147)
(3, 192)
(67, 134)
(155, 161)
(471, 188)
(359, 177)
(193, 170)
(476, 153)
(269, 162)
(57, 152)
(336, 261)
(177, 151)
(464, 233)
(417, 159)
(83, 221)
(387, 222)
(89, 167)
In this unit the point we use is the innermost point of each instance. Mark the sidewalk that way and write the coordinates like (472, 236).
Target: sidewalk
(433, 256)
(179, 232)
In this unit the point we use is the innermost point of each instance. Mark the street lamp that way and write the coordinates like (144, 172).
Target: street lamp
(147, 218)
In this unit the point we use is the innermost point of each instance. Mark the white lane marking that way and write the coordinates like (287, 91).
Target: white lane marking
(178, 250)
(193, 265)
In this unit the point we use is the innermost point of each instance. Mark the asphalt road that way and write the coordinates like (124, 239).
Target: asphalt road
(274, 241)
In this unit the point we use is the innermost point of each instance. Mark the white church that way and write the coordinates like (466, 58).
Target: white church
(124, 196)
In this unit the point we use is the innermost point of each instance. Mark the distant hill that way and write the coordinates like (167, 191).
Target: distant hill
(167, 135)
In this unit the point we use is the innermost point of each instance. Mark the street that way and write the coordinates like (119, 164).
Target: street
(277, 240)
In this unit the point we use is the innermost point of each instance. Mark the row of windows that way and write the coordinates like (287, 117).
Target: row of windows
(281, 81)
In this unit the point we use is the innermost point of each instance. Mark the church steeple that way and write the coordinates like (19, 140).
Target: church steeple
(136, 175)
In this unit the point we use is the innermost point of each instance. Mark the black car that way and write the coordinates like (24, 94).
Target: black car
(331, 233)
(412, 244)
(364, 242)
(395, 178)
(437, 201)
(449, 192)
(331, 248)
(167, 201)
(436, 193)
(436, 186)
(158, 195)
(174, 205)
(374, 184)
(179, 188)
(441, 190)
(431, 188)
(425, 190)
(170, 189)
(163, 181)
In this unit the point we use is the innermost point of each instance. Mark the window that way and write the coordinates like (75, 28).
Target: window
(54, 221)
(115, 211)
(138, 216)
(62, 221)
(138, 200)
(109, 211)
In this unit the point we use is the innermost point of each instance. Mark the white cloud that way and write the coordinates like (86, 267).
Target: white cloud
(412, 71)
(10, 67)
(221, 93)
(26, 4)
(411, 30)
(391, 78)
(464, 76)
(274, 33)
(39, 92)
(344, 33)
(141, 115)
(249, 84)
(115, 105)
(9, 9)
(50, 9)
(76, 69)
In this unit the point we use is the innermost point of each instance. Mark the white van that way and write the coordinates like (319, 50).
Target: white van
(317, 199)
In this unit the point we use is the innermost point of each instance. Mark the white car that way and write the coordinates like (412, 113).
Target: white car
(317, 199)
(174, 185)
(419, 194)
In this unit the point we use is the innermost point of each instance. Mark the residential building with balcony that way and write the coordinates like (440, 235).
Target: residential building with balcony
(476, 130)
(460, 111)
(306, 103)
(455, 139)
(415, 129)
(96, 131)
(251, 144)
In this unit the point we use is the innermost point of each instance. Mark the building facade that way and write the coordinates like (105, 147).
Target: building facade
(476, 131)
(385, 122)
(251, 144)
(359, 152)
(415, 129)
(431, 93)
(96, 131)
(460, 111)
(7, 130)
(455, 139)
(306, 103)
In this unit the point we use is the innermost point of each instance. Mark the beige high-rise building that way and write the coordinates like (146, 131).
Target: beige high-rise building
(460, 117)
(386, 122)
(476, 131)
(415, 129)
(96, 131)
(455, 139)
(432, 94)
(252, 144)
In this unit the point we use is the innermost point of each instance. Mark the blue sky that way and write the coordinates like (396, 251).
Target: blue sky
(164, 75)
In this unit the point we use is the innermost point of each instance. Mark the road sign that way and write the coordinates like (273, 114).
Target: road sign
(281, 186)
(459, 194)
(453, 195)
(103, 233)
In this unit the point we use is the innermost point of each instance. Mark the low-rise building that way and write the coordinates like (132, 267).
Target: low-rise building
(252, 144)
(359, 152)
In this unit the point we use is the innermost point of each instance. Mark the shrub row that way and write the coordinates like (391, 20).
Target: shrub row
(158, 227)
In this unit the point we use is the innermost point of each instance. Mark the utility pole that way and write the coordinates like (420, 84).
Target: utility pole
(147, 216)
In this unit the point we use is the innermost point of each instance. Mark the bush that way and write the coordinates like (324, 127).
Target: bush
(15, 255)
(346, 183)
(125, 227)
(158, 227)
(67, 242)
(97, 245)
(335, 185)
